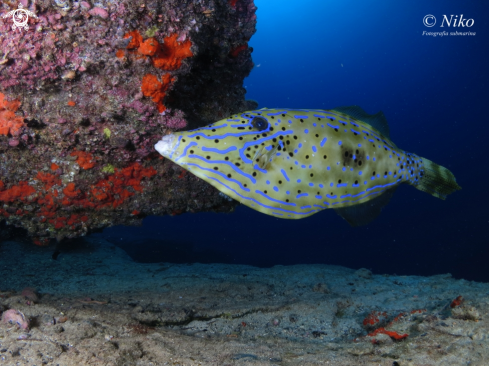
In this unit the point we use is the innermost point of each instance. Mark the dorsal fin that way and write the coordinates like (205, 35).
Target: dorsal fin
(364, 213)
(377, 120)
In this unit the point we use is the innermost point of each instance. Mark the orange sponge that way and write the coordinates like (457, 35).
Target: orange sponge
(156, 90)
(9, 122)
(149, 47)
(171, 53)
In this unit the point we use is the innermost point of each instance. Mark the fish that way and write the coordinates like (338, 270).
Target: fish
(293, 163)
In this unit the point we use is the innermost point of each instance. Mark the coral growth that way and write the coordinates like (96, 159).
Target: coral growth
(457, 301)
(237, 50)
(156, 90)
(170, 55)
(9, 122)
(167, 56)
(84, 159)
(19, 192)
(87, 91)
(391, 334)
(149, 47)
(374, 318)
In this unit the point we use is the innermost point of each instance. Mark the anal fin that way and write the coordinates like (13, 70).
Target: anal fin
(365, 213)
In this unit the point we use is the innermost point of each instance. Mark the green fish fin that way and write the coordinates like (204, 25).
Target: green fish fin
(365, 213)
(437, 180)
(377, 120)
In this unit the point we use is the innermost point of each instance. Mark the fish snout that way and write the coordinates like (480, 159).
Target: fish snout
(166, 145)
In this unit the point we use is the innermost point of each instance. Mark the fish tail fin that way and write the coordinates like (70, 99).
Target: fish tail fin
(437, 180)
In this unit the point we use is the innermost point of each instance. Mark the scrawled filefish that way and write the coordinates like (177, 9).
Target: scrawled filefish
(294, 163)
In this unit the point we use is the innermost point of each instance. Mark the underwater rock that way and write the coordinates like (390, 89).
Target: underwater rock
(118, 76)
(13, 316)
(218, 314)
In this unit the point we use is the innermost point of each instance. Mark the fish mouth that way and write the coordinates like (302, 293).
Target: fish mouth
(166, 145)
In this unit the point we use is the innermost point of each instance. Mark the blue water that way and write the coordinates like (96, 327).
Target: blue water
(434, 93)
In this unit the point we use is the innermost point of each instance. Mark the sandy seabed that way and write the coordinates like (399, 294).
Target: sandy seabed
(95, 306)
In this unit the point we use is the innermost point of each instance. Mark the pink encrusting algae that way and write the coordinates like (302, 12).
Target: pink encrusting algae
(15, 317)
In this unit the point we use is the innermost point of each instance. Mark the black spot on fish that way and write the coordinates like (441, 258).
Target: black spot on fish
(348, 156)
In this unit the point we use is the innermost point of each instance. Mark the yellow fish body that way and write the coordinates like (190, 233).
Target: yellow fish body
(294, 163)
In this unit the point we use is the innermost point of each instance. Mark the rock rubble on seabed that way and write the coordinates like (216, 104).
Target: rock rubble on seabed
(94, 305)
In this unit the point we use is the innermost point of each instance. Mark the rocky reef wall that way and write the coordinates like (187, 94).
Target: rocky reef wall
(87, 88)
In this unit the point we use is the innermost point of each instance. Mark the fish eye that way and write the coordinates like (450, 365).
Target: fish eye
(259, 123)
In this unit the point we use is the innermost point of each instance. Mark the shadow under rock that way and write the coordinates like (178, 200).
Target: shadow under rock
(156, 251)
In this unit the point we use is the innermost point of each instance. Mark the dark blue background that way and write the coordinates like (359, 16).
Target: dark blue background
(434, 93)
